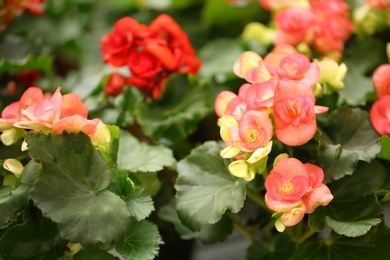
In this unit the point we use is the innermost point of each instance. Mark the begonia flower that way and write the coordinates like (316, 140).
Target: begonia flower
(380, 115)
(252, 132)
(292, 25)
(294, 112)
(115, 84)
(221, 102)
(381, 80)
(294, 188)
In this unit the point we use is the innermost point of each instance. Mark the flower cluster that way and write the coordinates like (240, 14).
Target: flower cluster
(151, 53)
(371, 17)
(380, 110)
(321, 24)
(293, 189)
(13, 8)
(47, 113)
(277, 100)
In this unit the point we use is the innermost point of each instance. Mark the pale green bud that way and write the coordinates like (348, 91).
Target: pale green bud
(260, 153)
(13, 166)
(242, 169)
(230, 151)
(259, 32)
(11, 135)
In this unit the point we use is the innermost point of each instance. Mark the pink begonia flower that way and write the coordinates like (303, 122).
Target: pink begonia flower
(294, 112)
(292, 25)
(236, 108)
(41, 114)
(294, 188)
(72, 105)
(75, 124)
(273, 58)
(45, 113)
(221, 102)
(380, 115)
(246, 61)
(259, 96)
(251, 67)
(298, 67)
(381, 80)
(252, 132)
(379, 4)
(331, 25)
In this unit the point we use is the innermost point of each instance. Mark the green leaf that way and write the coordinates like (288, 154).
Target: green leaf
(218, 57)
(209, 234)
(139, 203)
(177, 113)
(141, 241)
(352, 229)
(361, 63)
(373, 245)
(149, 181)
(71, 191)
(361, 183)
(351, 138)
(353, 197)
(127, 103)
(15, 198)
(218, 12)
(41, 63)
(95, 254)
(281, 248)
(134, 155)
(385, 151)
(205, 188)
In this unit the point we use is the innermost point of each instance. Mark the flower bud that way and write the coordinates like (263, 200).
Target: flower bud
(242, 169)
(332, 73)
(260, 153)
(74, 248)
(11, 135)
(227, 122)
(13, 166)
(230, 151)
(102, 136)
(259, 32)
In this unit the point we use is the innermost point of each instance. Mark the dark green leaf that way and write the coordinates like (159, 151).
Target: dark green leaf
(385, 151)
(95, 254)
(351, 138)
(71, 189)
(149, 181)
(361, 63)
(127, 103)
(353, 197)
(281, 248)
(373, 245)
(218, 57)
(352, 229)
(205, 188)
(15, 198)
(134, 155)
(42, 63)
(178, 112)
(214, 233)
(141, 241)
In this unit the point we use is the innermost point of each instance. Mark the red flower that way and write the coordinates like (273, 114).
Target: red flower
(116, 45)
(115, 84)
(165, 27)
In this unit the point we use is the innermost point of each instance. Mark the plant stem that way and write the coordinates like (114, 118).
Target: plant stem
(256, 198)
(304, 237)
(243, 231)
